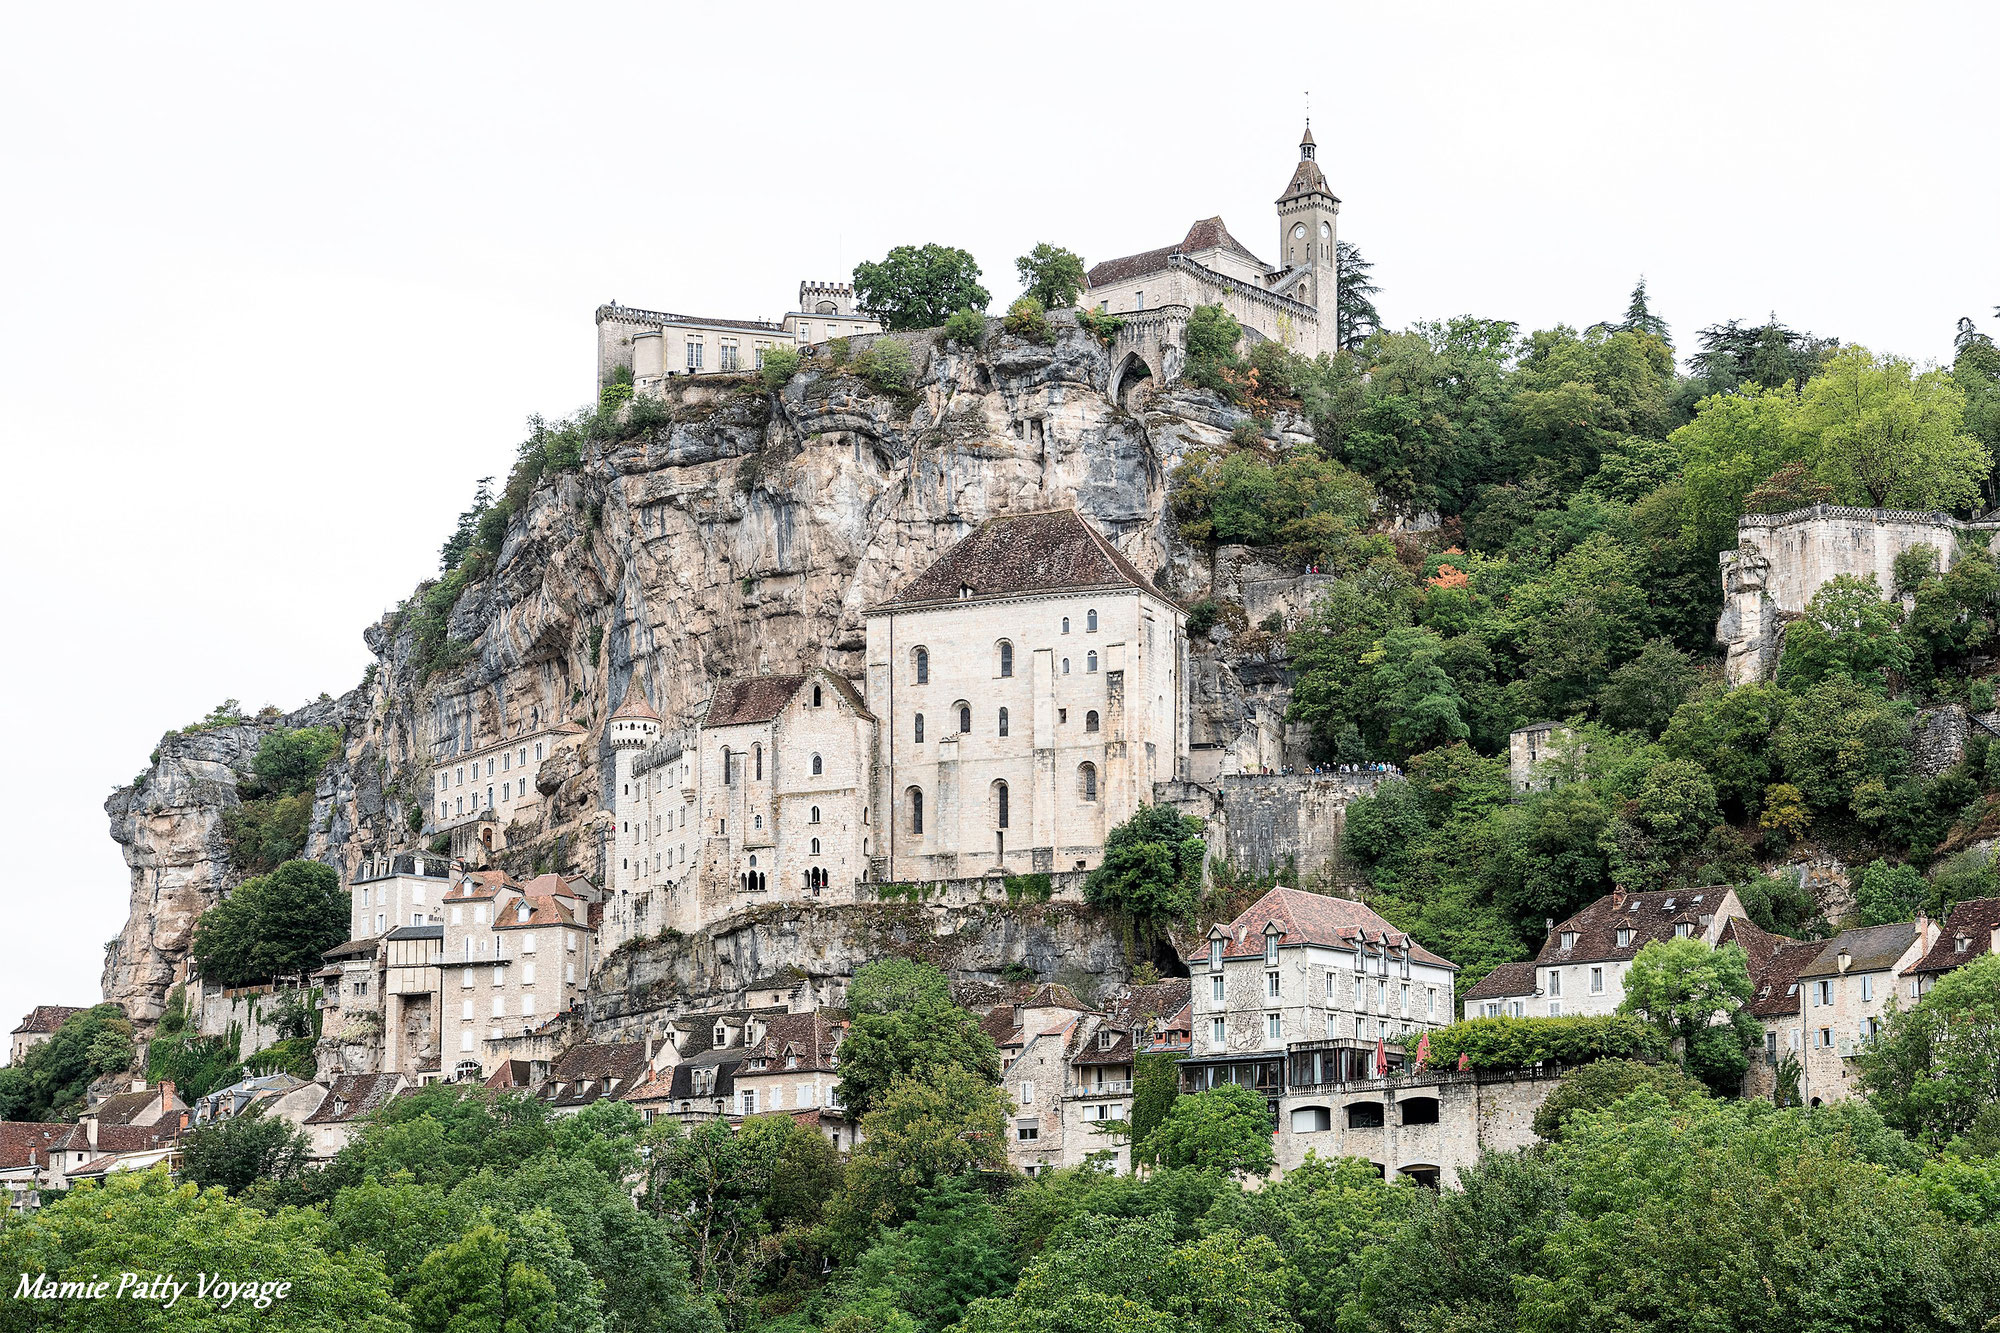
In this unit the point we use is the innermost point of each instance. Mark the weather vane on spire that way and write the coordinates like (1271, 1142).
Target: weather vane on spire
(1309, 108)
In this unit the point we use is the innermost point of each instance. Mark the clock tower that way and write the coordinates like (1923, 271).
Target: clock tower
(1308, 230)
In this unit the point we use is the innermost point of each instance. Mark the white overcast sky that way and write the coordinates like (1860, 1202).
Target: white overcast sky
(277, 283)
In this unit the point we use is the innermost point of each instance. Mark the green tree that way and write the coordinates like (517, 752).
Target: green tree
(274, 925)
(290, 761)
(1680, 986)
(1675, 804)
(1837, 736)
(1319, 1216)
(1211, 338)
(476, 1285)
(1224, 1128)
(1152, 865)
(780, 364)
(1129, 1274)
(1934, 1069)
(952, 1252)
(1881, 433)
(1027, 319)
(1602, 1083)
(52, 1080)
(1886, 893)
(141, 1222)
(1639, 317)
(1421, 697)
(967, 328)
(919, 286)
(1734, 443)
(1354, 314)
(1643, 694)
(947, 1124)
(905, 1025)
(1052, 275)
(1156, 1084)
(1729, 733)
(1847, 630)
(243, 1149)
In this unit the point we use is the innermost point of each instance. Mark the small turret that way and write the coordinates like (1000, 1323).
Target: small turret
(635, 725)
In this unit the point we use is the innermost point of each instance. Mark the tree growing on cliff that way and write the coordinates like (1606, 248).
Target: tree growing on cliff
(1152, 865)
(919, 286)
(274, 925)
(905, 1025)
(1051, 274)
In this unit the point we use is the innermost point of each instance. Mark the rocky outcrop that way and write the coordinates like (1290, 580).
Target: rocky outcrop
(169, 825)
(744, 533)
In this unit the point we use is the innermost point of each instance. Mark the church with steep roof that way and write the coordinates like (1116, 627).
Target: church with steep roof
(1023, 695)
(1292, 301)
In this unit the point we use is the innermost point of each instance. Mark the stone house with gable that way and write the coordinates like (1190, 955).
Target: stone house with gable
(775, 783)
(1844, 993)
(588, 1073)
(1775, 963)
(1029, 685)
(791, 1063)
(1582, 964)
(40, 1024)
(349, 1099)
(1505, 992)
(1302, 987)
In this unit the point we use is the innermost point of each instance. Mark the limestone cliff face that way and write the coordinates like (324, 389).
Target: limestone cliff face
(746, 535)
(170, 827)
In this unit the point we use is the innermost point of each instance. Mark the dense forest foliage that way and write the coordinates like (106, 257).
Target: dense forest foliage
(1570, 493)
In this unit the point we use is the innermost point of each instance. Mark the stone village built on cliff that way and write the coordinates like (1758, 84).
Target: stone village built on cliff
(1021, 695)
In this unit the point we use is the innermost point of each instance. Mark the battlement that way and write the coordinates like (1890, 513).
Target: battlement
(1851, 513)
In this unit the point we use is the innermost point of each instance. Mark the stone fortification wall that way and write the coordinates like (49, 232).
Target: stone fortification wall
(1781, 560)
(1376, 1119)
(1064, 886)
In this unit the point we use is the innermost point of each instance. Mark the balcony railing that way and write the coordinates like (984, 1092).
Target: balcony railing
(1110, 1087)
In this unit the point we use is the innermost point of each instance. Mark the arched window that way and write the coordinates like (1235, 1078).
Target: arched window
(1090, 662)
(818, 767)
(999, 805)
(916, 796)
(815, 816)
(1090, 622)
(965, 719)
(816, 698)
(920, 728)
(758, 821)
(1090, 720)
(1003, 722)
(1065, 624)
(726, 778)
(922, 658)
(815, 845)
(1364, 1115)
(1086, 782)
(758, 750)
(1065, 666)
(1006, 658)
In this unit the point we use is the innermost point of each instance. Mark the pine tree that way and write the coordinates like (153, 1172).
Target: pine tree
(1355, 316)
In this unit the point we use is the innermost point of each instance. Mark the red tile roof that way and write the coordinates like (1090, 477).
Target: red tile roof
(1207, 234)
(1051, 551)
(750, 699)
(1649, 916)
(351, 1096)
(47, 1017)
(595, 1070)
(1312, 918)
(1507, 979)
(1974, 922)
(813, 1038)
(29, 1143)
(1775, 979)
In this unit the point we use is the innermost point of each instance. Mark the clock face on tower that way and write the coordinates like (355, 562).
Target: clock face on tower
(1325, 230)
(1298, 231)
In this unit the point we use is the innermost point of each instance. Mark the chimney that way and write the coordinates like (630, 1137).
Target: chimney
(1617, 896)
(138, 1085)
(90, 1132)
(166, 1092)
(649, 1048)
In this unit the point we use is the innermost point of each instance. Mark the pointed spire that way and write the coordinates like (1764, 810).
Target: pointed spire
(634, 704)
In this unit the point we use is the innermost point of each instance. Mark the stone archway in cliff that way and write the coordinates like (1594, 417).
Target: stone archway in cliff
(1130, 372)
